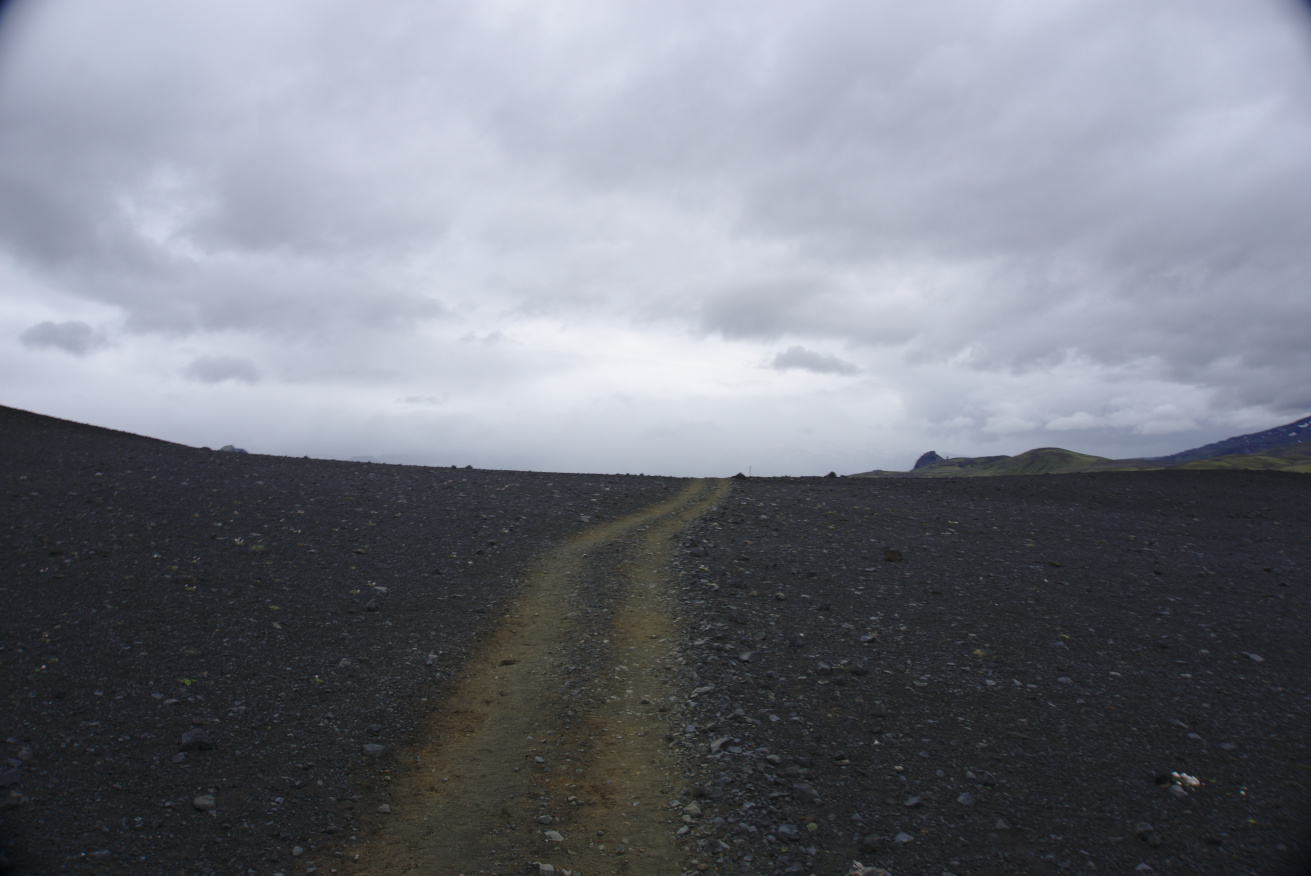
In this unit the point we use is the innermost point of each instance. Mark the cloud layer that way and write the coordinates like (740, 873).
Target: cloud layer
(565, 229)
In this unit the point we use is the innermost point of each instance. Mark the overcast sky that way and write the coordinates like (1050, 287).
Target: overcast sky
(670, 237)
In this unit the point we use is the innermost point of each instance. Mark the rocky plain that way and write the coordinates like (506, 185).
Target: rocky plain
(222, 663)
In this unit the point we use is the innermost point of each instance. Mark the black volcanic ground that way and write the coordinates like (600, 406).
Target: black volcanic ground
(1011, 696)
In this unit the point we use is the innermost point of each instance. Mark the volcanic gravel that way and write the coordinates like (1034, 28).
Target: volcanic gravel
(183, 627)
(1074, 673)
(208, 660)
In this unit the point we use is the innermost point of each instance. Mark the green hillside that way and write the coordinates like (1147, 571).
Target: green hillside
(1296, 458)
(1043, 460)
(1056, 460)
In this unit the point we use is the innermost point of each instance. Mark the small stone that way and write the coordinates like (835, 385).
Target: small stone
(374, 749)
(384, 809)
(966, 799)
(903, 837)
(432, 659)
(1178, 791)
(787, 832)
(718, 744)
(774, 759)
(545, 869)
(196, 739)
(297, 851)
(1065, 680)
(100, 855)
(544, 819)
(1144, 868)
(747, 657)
(554, 836)
(805, 794)
(1256, 658)
(539, 760)
(205, 803)
(913, 802)
(692, 809)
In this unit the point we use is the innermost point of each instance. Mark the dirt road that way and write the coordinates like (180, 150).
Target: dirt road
(551, 748)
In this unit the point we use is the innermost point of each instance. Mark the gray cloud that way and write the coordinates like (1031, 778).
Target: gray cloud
(968, 198)
(216, 369)
(73, 337)
(800, 358)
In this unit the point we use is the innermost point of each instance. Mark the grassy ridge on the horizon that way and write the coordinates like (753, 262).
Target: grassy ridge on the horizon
(1284, 448)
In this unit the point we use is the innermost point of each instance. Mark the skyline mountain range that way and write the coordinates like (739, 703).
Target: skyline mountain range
(1283, 448)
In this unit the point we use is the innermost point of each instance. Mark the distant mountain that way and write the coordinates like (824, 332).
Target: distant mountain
(1285, 448)
(1271, 439)
(1294, 457)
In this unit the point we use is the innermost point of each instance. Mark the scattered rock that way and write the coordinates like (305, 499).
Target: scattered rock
(205, 803)
(196, 739)
(374, 749)
(803, 793)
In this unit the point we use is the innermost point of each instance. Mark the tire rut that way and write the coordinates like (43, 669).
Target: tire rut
(558, 723)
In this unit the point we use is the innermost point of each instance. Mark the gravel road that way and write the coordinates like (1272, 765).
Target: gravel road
(286, 612)
(218, 663)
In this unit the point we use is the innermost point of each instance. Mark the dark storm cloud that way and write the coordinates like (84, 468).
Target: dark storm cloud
(73, 337)
(800, 358)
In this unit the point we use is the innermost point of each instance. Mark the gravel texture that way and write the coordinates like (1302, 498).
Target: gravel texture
(206, 657)
(1011, 675)
(208, 660)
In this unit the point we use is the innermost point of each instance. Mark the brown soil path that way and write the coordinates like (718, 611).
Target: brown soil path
(551, 748)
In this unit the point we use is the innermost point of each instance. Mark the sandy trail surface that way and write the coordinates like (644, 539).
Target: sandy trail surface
(552, 745)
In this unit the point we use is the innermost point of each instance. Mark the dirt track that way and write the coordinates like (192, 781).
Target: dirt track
(558, 727)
